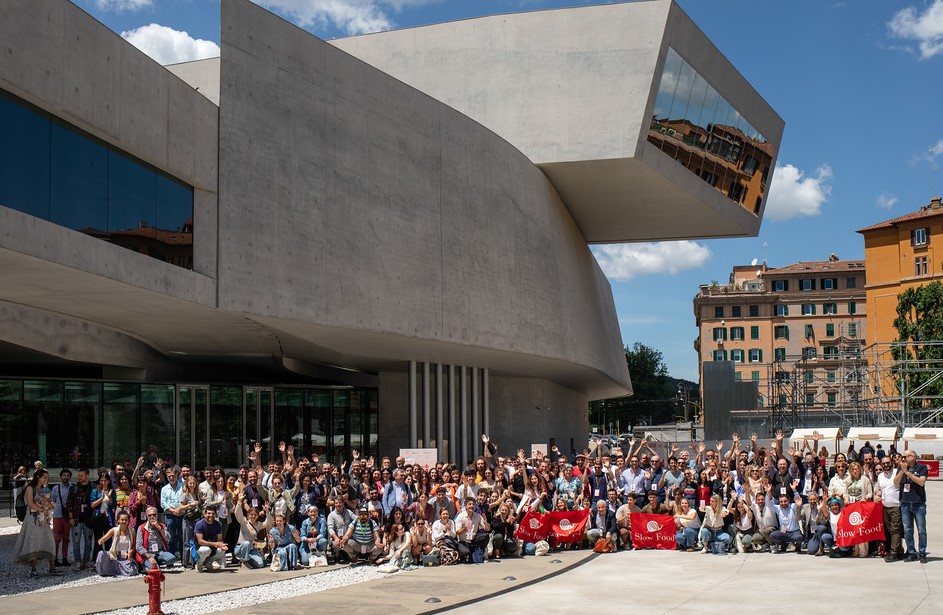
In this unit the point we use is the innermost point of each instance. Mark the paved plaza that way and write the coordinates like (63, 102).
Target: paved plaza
(663, 582)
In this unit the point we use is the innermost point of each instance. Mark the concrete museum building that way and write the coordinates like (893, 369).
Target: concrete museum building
(374, 243)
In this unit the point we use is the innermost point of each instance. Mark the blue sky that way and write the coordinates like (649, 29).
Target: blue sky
(857, 83)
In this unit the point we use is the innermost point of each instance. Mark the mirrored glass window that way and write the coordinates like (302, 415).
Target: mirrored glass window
(54, 171)
(700, 129)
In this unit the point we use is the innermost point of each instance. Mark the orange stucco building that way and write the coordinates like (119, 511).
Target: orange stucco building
(899, 254)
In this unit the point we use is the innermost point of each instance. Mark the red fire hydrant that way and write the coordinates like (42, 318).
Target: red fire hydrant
(154, 578)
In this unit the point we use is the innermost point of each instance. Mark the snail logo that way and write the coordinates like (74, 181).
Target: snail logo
(565, 524)
(855, 518)
(653, 526)
(534, 524)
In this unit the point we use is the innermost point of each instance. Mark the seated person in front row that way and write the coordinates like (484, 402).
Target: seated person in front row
(151, 543)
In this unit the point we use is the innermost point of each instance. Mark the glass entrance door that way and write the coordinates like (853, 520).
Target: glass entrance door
(193, 413)
(259, 414)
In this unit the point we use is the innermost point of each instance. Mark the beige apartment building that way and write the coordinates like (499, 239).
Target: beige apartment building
(796, 331)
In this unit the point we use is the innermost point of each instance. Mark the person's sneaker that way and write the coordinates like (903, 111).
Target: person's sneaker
(923, 558)
(55, 571)
(834, 554)
(77, 566)
(890, 559)
(32, 574)
(704, 550)
(198, 568)
(911, 557)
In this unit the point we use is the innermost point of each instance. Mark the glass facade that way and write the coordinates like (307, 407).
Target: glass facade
(54, 171)
(696, 126)
(90, 424)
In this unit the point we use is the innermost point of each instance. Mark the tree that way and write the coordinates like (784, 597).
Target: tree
(654, 392)
(919, 321)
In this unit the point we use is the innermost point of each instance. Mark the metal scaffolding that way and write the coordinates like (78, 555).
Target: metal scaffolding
(880, 385)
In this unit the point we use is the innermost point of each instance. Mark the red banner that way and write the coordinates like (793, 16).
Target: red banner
(653, 531)
(860, 522)
(569, 526)
(533, 527)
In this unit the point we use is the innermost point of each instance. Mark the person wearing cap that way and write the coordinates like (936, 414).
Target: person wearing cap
(362, 539)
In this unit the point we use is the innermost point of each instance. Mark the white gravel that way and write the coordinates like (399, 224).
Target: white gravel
(259, 594)
(14, 578)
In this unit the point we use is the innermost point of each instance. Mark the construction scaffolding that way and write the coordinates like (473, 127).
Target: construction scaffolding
(880, 385)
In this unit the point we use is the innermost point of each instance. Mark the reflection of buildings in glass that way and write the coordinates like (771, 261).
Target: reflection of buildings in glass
(696, 126)
(721, 155)
(175, 247)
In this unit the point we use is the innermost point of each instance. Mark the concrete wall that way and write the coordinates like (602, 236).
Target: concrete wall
(62, 60)
(351, 201)
(524, 411)
(574, 90)
(561, 85)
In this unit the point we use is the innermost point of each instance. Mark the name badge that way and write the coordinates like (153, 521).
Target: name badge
(255, 503)
(153, 549)
(782, 491)
(83, 507)
(363, 548)
(906, 487)
(596, 493)
(143, 515)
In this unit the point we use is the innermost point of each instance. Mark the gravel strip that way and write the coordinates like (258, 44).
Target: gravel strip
(259, 594)
(14, 578)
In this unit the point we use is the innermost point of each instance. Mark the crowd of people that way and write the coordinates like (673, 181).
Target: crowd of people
(300, 511)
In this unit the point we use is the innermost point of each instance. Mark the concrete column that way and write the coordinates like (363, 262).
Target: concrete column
(475, 435)
(463, 405)
(413, 411)
(485, 405)
(453, 453)
(426, 407)
(439, 427)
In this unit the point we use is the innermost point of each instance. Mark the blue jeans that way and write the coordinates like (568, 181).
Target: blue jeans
(175, 533)
(782, 538)
(910, 512)
(251, 556)
(686, 537)
(80, 534)
(305, 552)
(164, 558)
(719, 538)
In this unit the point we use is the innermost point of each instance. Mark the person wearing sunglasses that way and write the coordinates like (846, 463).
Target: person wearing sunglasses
(152, 542)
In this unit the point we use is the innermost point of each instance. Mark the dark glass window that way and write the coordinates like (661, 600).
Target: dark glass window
(54, 171)
(24, 160)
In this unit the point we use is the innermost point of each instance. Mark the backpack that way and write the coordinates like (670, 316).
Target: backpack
(478, 555)
(20, 506)
(195, 557)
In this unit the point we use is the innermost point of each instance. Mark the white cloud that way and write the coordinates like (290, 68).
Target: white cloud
(350, 16)
(121, 5)
(793, 193)
(886, 200)
(933, 152)
(169, 46)
(622, 262)
(926, 28)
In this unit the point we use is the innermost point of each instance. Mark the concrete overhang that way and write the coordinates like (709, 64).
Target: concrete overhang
(575, 90)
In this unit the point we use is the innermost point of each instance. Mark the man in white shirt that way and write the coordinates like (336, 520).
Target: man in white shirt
(471, 529)
(889, 494)
(788, 514)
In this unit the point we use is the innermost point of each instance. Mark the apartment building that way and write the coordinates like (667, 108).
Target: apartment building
(796, 331)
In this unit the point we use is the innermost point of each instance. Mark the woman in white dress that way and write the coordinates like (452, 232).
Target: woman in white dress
(35, 541)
